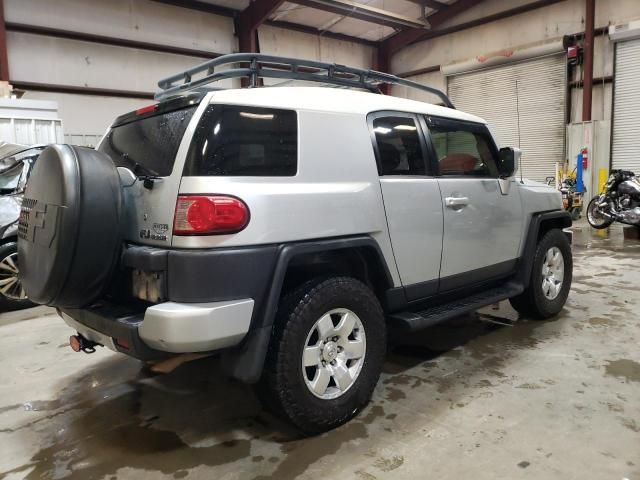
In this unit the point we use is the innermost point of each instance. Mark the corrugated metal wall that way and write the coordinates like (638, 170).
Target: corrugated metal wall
(626, 116)
(537, 88)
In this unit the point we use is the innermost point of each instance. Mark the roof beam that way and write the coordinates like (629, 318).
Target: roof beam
(412, 35)
(248, 21)
(512, 12)
(435, 4)
(402, 39)
(201, 7)
(296, 27)
(230, 12)
(258, 12)
(104, 40)
(351, 9)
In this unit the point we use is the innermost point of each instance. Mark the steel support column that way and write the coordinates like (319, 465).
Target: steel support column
(4, 57)
(382, 63)
(248, 21)
(587, 93)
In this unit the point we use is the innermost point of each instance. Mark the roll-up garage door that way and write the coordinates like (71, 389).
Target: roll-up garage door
(537, 89)
(626, 107)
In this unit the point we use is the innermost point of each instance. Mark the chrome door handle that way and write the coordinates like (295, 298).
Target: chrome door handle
(456, 202)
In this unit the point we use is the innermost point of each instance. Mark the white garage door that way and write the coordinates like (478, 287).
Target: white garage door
(626, 108)
(541, 88)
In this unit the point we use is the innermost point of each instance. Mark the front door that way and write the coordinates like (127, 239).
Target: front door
(482, 222)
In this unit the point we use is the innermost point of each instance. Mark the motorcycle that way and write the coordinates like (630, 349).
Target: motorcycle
(619, 202)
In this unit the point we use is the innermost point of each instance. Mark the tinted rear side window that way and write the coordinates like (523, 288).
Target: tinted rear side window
(244, 141)
(399, 149)
(151, 142)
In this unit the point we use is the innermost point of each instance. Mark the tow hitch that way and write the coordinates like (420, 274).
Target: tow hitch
(78, 342)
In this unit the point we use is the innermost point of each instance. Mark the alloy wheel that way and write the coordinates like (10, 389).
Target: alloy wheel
(10, 285)
(334, 353)
(552, 273)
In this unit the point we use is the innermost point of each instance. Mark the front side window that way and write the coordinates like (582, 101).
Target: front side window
(463, 149)
(399, 148)
(235, 140)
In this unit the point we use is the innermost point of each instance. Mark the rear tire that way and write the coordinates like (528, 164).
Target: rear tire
(594, 217)
(550, 280)
(325, 355)
(12, 296)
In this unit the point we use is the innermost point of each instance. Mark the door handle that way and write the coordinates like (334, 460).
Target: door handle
(456, 202)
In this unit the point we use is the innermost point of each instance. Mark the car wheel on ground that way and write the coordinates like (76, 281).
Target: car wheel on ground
(326, 354)
(550, 278)
(12, 294)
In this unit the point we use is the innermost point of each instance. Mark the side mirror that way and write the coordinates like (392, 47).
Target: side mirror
(509, 161)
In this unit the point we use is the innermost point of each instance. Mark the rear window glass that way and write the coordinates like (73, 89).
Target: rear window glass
(244, 141)
(148, 146)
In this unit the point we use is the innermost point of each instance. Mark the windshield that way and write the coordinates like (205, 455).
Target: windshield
(9, 179)
(148, 146)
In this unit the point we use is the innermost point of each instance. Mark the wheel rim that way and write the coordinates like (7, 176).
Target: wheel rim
(595, 216)
(552, 273)
(10, 285)
(333, 354)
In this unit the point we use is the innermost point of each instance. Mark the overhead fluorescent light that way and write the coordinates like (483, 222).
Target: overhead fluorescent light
(410, 128)
(382, 130)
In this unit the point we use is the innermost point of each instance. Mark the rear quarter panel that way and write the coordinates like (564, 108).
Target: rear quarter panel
(336, 191)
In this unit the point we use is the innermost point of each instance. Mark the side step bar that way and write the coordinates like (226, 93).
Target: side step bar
(413, 321)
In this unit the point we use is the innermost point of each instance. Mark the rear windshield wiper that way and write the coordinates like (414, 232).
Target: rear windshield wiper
(146, 174)
(143, 172)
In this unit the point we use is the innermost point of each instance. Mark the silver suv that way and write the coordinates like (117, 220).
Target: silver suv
(287, 230)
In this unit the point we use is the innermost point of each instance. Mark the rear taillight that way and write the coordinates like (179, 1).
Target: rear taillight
(208, 215)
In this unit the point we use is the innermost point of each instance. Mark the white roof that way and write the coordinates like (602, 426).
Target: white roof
(336, 100)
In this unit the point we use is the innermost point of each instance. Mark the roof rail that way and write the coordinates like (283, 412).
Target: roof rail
(253, 66)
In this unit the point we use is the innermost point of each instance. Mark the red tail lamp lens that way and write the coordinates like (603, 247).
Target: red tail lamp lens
(200, 215)
(147, 109)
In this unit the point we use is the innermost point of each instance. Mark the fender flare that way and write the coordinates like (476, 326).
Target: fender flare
(245, 363)
(559, 218)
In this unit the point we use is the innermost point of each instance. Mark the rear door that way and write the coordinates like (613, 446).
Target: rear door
(145, 144)
(412, 200)
(482, 225)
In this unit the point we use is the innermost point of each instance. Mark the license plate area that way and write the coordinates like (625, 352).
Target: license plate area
(149, 286)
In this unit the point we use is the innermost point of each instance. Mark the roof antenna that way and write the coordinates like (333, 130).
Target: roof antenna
(518, 116)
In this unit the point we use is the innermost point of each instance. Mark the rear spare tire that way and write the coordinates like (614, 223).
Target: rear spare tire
(69, 229)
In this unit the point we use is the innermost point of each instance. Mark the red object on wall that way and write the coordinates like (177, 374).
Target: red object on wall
(585, 158)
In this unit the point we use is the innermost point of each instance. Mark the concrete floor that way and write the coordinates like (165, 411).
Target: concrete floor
(484, 396)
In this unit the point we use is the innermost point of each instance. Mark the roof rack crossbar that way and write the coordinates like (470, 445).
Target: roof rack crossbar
(254, 66)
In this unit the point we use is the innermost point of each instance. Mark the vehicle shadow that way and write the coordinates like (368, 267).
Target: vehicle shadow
(116, 415)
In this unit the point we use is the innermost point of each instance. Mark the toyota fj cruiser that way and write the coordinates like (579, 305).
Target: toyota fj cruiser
(287, 229)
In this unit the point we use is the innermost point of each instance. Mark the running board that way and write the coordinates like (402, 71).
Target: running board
(413, 321)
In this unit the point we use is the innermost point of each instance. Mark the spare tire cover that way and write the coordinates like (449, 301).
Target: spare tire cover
(69, 228)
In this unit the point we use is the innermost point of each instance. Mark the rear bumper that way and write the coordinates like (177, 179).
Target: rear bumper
(164, 328)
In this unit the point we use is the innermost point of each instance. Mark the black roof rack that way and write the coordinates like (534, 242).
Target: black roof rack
(254, 66)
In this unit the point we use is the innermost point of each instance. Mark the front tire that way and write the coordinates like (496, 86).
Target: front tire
(12, 296)
(325, 355)
(550, 280)
(595, 217)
